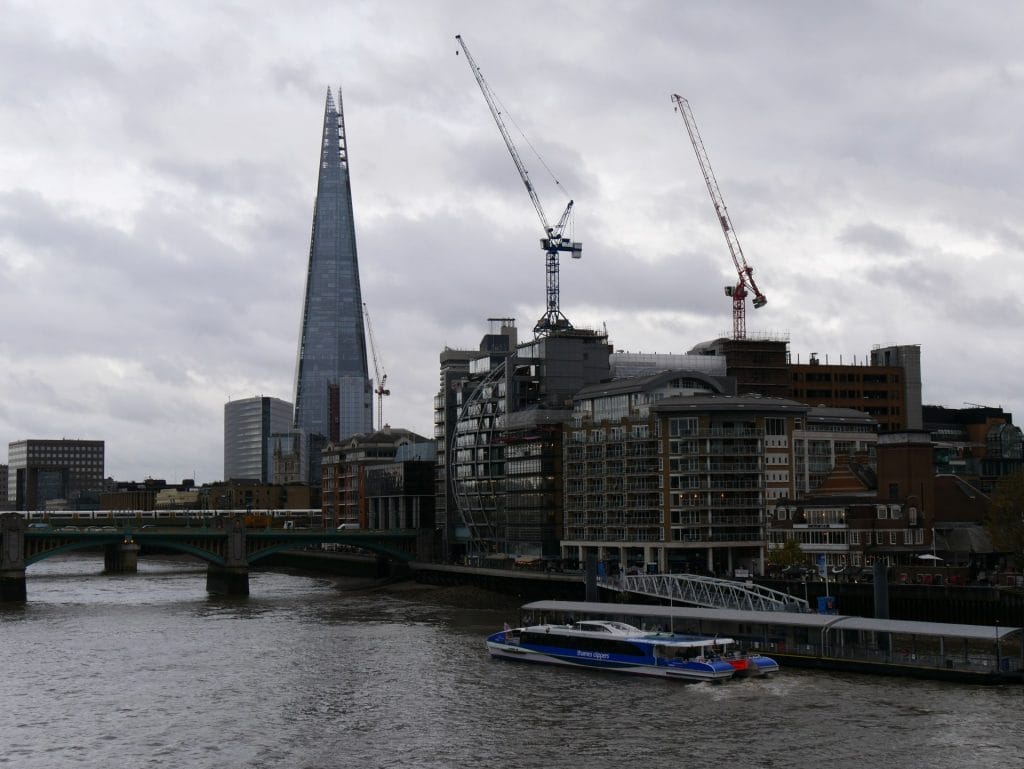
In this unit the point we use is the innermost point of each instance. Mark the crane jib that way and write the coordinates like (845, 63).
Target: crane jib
(744, 271)
(553, 243)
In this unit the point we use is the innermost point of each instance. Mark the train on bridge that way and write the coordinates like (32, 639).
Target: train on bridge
(254, 519)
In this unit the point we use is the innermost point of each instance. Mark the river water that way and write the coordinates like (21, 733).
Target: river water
(147, 670)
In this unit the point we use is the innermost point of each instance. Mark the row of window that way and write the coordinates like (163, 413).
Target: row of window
(838, 515)
(865, 537)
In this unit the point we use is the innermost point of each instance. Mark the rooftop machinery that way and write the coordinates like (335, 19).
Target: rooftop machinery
(553, 241)
(380, 376)
(745, 273)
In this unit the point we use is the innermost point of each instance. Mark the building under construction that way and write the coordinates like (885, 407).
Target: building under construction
(499, 417)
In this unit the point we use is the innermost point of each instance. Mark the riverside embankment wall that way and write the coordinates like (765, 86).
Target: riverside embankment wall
(926, 603)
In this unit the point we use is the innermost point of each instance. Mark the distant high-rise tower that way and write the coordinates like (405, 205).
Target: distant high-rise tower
(248, 425)
(333, 392)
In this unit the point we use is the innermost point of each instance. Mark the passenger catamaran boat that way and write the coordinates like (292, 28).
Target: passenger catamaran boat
(616, 646)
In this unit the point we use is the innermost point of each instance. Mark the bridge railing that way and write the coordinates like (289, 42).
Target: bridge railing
(154, 515)
(708, 592)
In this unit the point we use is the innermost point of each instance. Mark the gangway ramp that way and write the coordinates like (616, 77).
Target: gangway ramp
(708, 592)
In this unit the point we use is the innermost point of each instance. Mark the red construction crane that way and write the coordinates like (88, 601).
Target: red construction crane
(553, 242)
(380, 376)
(745, 282)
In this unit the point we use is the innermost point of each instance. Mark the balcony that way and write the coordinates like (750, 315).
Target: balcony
(743, 449)
(716, 432)
(734, 504)
(732, 467)
(724, 485)
(644, 535)
(641, 450)
(638, 485)
(641, 519)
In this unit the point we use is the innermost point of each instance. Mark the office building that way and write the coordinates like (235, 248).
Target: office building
(48, 474)
(830, 438)
(759, 365)
(673, 475)
(400, 495)
(979, 443)
(248, 426)
(896, 510)
(4, 503)
(333, 392)
(908, 358)
(495, 347)
(499, 416)
(344, 467)
(886, 385)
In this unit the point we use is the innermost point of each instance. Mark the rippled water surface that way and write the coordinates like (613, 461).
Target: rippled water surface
(147, 670)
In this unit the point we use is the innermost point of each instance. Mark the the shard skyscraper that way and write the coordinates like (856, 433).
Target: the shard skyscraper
(333, 392)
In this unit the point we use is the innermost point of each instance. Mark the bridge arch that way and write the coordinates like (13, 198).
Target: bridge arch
(391, 552)
(227, 547)
(41, 551)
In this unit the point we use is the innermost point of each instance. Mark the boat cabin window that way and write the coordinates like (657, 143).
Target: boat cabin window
(593, 627)
(607, 626)
(601, 644)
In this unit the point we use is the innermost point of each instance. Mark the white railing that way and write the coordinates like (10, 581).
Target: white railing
(709, 592)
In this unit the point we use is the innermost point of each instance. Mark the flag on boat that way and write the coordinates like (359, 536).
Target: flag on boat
(508, 631)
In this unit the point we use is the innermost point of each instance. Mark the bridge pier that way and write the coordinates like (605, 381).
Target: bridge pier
(12, 558)
(231, 577)
(227, 580)
(121, 558)
(12, 586)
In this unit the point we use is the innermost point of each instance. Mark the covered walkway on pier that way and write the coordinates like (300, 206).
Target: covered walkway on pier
(829, 641)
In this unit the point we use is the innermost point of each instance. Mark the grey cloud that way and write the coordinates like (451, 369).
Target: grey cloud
(863, 152)
(873, 238)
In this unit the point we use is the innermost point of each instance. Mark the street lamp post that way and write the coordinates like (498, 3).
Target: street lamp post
(998, 660)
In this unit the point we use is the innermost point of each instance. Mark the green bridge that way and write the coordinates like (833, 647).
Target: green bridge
(227, 546)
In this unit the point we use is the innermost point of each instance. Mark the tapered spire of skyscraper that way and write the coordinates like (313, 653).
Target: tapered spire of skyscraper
(333, 393)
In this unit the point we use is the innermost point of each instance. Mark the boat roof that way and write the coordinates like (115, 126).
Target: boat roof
(622, 630)
(821, 622)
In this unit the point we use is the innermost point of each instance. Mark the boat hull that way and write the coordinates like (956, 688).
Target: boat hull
(751, 666)
(689, 671)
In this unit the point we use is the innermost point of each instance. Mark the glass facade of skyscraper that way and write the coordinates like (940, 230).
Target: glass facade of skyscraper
(248, 425)
(333, 393)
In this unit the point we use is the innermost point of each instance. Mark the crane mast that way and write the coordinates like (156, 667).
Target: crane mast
(553, 241)
(745, 273)
(380, 376)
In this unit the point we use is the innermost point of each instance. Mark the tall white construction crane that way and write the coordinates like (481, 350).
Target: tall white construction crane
(553, 241)
(745, 273)
(379, 374)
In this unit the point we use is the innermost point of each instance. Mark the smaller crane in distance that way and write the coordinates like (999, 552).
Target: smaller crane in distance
(381, 376)
(745, 282)
(553, 241)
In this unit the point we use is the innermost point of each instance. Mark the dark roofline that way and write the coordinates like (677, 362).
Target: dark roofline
(838, 414)
(646, 383)
(729, 403)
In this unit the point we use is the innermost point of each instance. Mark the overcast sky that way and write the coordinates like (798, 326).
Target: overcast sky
(158, 167)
